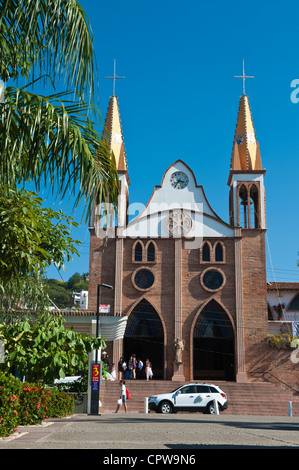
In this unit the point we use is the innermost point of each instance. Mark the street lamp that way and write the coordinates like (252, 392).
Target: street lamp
(96, 369)
(99, 292)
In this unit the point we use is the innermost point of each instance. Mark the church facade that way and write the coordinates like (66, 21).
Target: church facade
(192, 285)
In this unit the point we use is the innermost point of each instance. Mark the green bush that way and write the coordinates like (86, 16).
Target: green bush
(60, 404)
(9, 404)
(25, 403)
(34, 404)
(282, 341)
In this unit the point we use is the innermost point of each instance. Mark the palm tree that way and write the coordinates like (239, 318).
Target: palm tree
(51, 139)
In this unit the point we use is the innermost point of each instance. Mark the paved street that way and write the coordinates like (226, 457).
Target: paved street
(154, 432)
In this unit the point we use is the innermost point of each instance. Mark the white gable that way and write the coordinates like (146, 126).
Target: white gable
(178, 192)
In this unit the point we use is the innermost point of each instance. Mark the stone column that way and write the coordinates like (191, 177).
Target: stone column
(118, 344)
(178, 373)
(241, 375)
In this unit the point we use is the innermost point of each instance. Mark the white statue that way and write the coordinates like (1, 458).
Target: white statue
(179, 345)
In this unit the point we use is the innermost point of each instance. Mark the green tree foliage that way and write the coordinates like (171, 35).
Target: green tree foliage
(60, 292)
(47, 139)
(43, 349)
(77, 282)
(31, 236)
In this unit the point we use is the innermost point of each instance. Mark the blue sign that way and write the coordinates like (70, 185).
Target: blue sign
(95, 386)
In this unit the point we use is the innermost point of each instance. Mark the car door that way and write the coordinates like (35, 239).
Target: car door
(185, 397)
(202, 396)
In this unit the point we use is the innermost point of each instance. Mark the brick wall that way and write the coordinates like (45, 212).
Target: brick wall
(254, 296)
(162, 294)
(101, 270)
(194, 296)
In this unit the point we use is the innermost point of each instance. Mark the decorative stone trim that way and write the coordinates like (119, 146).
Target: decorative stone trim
(178, 223)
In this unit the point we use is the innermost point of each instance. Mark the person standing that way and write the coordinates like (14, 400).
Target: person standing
(113, 371)
(134, 366)
(122, 396)
(148, 370)
(105, 359)
(130, 367)
(139, 368)
(120, 368)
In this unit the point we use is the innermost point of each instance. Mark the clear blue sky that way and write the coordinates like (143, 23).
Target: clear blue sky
(180, 100)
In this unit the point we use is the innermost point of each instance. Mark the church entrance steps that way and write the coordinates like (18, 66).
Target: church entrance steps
(253, 398)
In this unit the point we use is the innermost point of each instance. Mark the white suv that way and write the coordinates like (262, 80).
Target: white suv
(189, 397)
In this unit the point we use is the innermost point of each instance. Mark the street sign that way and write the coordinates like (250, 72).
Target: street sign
(96, 381)
(2, 352)
(2, 87)
(104, 308)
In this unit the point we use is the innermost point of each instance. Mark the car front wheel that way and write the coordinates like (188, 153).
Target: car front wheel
(212, 409)
(165, 407)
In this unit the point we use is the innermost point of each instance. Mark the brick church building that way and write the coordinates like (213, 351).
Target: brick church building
(192, 285)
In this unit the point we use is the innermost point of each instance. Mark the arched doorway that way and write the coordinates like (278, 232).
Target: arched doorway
(144, 337)
(213, 344)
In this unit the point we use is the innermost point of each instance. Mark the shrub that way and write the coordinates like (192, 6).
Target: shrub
(60, 404)
(9, 404)
(25, 403)
(34, 404)
(282, 341)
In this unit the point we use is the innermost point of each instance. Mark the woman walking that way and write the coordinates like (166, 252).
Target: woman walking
(122, 396)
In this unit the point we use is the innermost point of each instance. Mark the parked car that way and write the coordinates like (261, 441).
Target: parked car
(189, 397)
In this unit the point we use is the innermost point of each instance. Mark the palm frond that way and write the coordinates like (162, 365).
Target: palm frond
(53, 35)
(52, 141)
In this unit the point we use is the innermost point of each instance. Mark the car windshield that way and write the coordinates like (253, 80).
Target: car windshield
(176, 389)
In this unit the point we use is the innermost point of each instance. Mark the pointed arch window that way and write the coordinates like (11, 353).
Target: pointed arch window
(219, 256)
(138, 251)
(206, 252)
(248, 209)
(243, 206)
(254, 216)
(151, 252)
(294, 305)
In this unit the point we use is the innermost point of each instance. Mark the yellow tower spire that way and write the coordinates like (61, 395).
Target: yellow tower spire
(113, 132)
(246, 151)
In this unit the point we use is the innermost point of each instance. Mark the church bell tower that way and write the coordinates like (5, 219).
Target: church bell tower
(246, 179)
(248, 216)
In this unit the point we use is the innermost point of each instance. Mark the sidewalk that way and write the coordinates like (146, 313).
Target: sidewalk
(154, 431)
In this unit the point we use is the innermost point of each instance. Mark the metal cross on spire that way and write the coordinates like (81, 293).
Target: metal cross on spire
(243, 77)
(114, 77)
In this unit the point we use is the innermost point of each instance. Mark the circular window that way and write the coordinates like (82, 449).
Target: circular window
(212, 279)
(143, 279)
